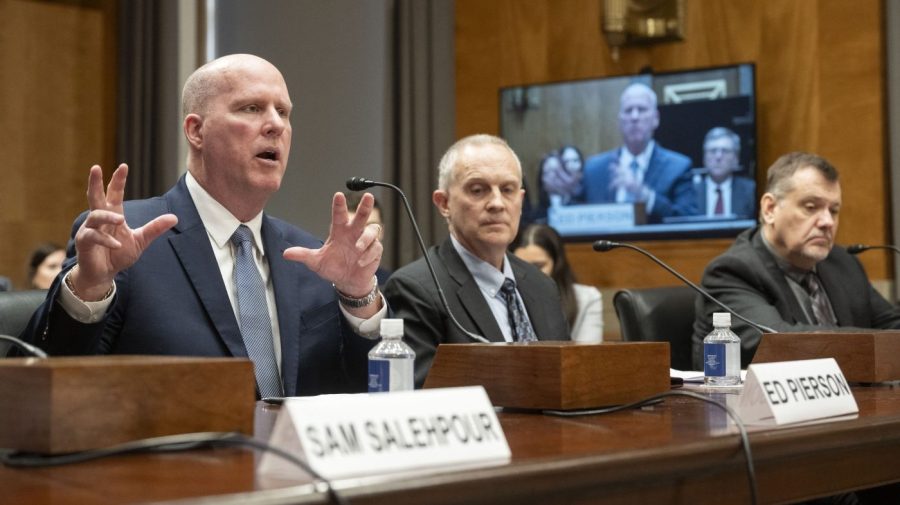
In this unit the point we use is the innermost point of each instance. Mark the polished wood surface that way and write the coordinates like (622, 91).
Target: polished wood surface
(49, 405)
(555, 375)
(679, 452)
(862, 356)
(820, 88)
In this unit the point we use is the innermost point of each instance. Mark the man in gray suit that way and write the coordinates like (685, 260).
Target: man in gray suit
(786, 273)
(490, 292)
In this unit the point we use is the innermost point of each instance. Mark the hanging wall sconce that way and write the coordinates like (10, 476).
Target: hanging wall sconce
(633, 22)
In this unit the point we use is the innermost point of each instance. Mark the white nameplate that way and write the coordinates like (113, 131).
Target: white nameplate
(794, 391)
(588, 218)
(367, 434)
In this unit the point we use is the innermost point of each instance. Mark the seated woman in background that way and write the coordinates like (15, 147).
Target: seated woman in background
(541, 246)
(45, 263)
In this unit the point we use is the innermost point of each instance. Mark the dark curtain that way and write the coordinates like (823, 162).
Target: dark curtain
(148, 123)
(423, 119)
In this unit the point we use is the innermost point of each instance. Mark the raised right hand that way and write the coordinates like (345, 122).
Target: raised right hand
(104, 244)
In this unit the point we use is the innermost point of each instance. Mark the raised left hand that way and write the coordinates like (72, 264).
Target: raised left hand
(352, 251)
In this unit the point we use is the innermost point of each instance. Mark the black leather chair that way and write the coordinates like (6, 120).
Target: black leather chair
(16, 308)
(659, 315)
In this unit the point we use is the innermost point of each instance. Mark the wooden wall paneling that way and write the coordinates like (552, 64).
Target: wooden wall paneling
(820, 88)
(58, 96)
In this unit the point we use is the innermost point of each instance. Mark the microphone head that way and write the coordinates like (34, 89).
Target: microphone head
(605, 245)
(857, 248)
(359, 183)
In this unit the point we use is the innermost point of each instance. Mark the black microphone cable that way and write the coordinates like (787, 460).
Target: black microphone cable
(607, 245)
(745, 439)
(170, 443)
(861, 248)
(360, 184)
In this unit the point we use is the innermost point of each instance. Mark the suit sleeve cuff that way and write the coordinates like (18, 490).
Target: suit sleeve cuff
(368, 328)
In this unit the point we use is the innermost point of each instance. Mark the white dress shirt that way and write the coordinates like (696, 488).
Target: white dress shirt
(490, 280)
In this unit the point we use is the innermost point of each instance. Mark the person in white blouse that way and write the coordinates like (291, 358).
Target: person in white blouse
(542, 246)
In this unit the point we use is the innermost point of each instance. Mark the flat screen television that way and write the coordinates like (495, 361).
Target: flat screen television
(676, 191)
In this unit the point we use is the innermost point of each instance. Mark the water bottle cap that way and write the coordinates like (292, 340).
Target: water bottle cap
(391, 328)
(721, 319)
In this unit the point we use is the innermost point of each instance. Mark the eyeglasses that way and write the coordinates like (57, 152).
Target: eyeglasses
(719, 150)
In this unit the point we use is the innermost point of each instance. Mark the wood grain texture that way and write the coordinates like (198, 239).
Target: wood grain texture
(820, 88)
(678, 452)
(58, 94)
(863, 357)
(555, 375)
(50, 405)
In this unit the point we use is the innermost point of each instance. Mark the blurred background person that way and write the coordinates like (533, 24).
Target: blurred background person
(44, 265)
(721, 193)
(376, 217)
(561, 175)
(582, 305)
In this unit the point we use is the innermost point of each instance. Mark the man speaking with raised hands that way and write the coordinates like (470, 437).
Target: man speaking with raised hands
(203, 271)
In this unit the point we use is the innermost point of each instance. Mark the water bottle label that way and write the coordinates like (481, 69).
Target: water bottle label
(379, 375)
(714, 360)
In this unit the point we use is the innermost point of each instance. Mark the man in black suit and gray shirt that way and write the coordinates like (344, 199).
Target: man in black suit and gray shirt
(490, 292)
(786, 273)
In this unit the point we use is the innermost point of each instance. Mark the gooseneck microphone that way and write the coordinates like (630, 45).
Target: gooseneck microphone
(25, 346)
(607, 245)
(360, 184)
(859, 248)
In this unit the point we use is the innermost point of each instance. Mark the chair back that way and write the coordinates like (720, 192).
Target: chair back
(16, 308)
(659, 315)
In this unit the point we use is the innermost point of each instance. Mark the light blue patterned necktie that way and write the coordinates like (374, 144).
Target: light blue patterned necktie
(518, 322)
(256, 326)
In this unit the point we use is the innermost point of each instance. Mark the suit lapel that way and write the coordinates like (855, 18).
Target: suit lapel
(652, 173)
(534, 305)
(191, 245)
(837, 295)
(778, 277)
(469, 294)
(288, 302)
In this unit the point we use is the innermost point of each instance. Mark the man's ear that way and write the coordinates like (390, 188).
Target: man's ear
(439, 198)
(192, 126)
(767, 207)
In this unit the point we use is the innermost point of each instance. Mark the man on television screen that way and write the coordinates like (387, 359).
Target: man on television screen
(786, 273)
(639, 171)
(720, 193)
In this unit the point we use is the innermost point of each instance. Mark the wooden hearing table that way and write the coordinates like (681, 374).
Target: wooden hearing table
(680, 451)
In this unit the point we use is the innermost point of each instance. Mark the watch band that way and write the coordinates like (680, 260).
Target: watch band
(355, 303)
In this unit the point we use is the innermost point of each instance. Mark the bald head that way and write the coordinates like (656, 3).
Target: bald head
(213, 79)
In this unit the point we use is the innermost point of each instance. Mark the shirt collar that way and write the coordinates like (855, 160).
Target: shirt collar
(486, 276)
(220, 224)
(724, 185)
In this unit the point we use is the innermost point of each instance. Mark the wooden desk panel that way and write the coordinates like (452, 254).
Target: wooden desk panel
(680, 452)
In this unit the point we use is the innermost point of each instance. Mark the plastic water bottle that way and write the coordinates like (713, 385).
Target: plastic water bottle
(722, 353)
(391, 362)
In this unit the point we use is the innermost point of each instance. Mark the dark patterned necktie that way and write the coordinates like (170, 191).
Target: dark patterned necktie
(720, 203)
(518, 322)
(820, 307)
(256, 326)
